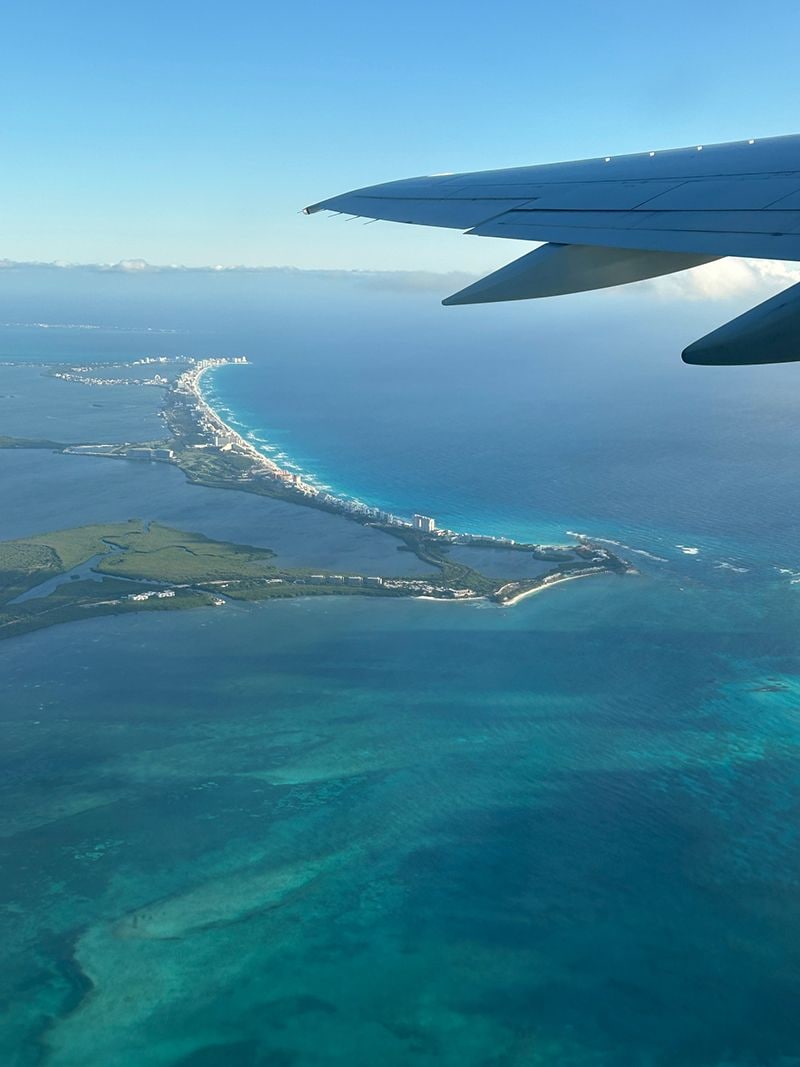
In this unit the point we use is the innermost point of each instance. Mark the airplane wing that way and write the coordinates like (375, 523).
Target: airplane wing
(620, 219)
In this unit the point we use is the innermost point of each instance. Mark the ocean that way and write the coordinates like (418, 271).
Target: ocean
(350, 831)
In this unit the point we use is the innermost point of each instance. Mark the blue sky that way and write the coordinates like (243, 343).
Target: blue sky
(193, 132)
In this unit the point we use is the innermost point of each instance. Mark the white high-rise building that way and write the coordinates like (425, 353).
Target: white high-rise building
(424, 523)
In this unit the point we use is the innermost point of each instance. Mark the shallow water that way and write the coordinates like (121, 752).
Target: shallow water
(32, 405)
(275, 849)
(500, 563)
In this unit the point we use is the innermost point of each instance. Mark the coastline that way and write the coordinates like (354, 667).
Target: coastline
(214, 425)
(237, 437)
(191, 381)
(431, 543)
(228, 438)
(546, 585)
(211, 452)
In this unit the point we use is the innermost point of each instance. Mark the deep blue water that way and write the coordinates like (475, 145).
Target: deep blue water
(510, 435)
(359, 832)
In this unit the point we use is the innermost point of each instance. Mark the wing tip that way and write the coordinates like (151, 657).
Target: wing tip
(694, 358)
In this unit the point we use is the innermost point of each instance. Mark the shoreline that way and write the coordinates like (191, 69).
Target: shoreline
(430, 545)
(190, 383)
(192, 379)
(291, 471)
(546, 585)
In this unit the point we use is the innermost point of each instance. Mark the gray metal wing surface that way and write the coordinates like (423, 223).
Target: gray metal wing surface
(618, 219)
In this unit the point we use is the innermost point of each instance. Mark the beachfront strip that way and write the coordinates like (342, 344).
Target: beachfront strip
(219, 435)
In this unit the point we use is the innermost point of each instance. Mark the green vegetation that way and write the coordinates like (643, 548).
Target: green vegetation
(231, 470)
(284, 588)
(176, 569)
(88, 599)
(24, 564)
(30, 561)
(29, 442)
(77, 544)
(206, 466)
(159, 553)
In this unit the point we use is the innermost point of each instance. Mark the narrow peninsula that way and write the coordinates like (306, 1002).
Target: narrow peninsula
(139, 565)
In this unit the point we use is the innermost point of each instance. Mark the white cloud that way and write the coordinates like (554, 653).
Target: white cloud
(729, 278)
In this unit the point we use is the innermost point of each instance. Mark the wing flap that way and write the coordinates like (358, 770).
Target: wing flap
(554, 270)
(613, 235)
(768, 222)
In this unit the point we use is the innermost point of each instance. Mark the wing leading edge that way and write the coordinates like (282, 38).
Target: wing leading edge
(615, 220)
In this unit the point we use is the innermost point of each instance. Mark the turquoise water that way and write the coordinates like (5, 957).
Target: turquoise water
(358, 832)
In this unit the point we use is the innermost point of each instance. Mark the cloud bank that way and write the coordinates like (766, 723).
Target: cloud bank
(722, 280)
(388, 279)
(132, 266)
